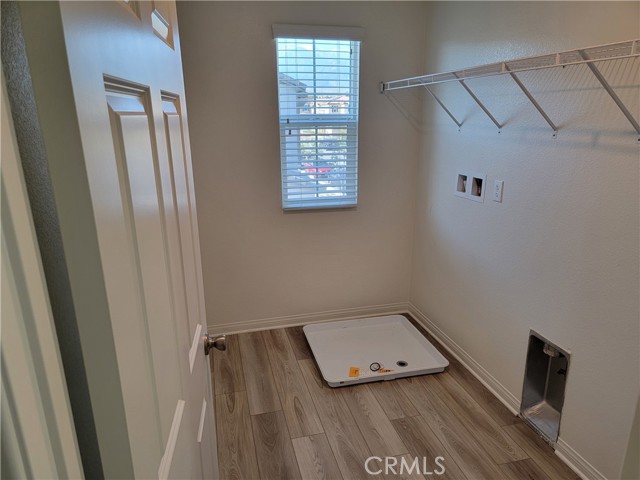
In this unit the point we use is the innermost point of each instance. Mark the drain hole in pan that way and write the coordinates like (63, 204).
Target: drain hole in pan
(401, 363)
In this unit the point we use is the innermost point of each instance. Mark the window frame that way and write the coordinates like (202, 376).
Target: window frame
(314, 121)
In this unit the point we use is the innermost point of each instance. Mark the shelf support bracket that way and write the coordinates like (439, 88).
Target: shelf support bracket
(459, 124)
(532, 100)
(614, 96)
(480, 104)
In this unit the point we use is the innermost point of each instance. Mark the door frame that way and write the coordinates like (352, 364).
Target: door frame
(24, 57)
(35, 402)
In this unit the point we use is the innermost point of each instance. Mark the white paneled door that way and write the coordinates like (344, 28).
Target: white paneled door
(125, 73)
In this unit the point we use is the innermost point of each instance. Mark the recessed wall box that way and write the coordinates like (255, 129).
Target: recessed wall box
(477, 187)
(461, 184)
(545, 378)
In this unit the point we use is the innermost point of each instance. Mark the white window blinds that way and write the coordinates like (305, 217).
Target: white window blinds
(318, 104)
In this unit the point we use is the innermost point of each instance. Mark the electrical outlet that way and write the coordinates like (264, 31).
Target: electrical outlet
(497, 190)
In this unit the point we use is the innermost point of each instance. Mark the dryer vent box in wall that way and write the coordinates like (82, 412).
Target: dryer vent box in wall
(371, 350)
(543, 390)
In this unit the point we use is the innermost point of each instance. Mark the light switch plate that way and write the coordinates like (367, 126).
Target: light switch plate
(497, 190)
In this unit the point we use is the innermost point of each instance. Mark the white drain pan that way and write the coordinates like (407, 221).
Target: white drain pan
(371, 349)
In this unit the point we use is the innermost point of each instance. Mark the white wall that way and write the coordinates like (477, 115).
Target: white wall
(560, 254)
(259, 262)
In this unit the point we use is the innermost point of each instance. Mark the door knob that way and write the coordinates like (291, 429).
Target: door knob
(214, 341)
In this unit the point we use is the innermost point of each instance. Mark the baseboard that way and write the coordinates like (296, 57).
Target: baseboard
(563, 450)
(577, 462)
(307, 318)
(478, 371)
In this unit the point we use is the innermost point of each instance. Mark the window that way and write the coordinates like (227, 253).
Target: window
(318, 76)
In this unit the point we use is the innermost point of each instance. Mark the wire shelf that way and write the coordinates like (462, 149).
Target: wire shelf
(584, 56)
(600, 53)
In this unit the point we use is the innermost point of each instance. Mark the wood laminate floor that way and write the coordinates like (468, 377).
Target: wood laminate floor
(278, 419)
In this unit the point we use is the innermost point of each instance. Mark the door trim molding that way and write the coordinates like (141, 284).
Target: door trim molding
(42, 438)
(21, 66)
